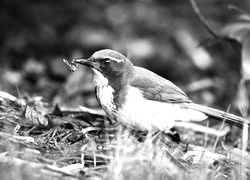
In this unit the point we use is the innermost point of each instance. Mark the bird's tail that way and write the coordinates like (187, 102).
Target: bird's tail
(218, 114)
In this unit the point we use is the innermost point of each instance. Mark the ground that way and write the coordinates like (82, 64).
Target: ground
(51, 126)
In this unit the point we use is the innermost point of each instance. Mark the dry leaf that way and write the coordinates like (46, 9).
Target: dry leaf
(35, 117)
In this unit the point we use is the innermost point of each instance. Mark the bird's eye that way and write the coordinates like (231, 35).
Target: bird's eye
(106, 61)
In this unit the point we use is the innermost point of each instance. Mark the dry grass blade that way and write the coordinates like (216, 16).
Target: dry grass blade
(11, 98)
(40, 171)
(221, 127)
(203, 129)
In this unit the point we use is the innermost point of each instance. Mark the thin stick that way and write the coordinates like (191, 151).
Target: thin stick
(233, 7)
(202, 19)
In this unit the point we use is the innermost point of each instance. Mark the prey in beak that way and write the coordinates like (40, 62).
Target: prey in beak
(83, 61)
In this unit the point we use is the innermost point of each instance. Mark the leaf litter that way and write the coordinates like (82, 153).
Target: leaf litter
(83, 144)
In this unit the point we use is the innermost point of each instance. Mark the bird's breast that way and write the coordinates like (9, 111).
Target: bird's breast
(105, 97)
(104, 93)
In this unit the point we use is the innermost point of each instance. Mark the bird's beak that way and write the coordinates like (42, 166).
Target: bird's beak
(85, 61)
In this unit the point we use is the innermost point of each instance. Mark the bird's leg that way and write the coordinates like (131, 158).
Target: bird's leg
(171, 136)
(176, 137)
(156, 136)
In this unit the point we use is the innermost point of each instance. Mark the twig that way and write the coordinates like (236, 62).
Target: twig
(202, 19)
(233, 7)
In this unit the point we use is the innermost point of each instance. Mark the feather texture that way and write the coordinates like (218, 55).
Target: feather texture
(142, 113)
(156, 88)
(218, 114)
(140, 98)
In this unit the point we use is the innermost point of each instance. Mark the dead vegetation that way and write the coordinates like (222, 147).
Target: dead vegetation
(85, 145)
(38, 141)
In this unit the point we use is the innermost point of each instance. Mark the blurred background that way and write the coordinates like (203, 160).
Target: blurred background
(163, 36)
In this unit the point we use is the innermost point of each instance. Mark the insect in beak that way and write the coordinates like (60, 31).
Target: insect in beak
(85, 61)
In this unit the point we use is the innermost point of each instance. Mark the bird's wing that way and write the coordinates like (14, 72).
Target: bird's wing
(157, 88)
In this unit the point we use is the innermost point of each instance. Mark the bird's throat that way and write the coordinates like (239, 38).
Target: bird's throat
(99, 79)
(104, 92)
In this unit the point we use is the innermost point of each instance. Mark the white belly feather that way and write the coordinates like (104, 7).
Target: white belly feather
(153, 115)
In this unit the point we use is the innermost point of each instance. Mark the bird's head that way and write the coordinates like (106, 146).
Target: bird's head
(111, 64)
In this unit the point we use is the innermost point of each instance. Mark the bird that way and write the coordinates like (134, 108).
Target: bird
(141, 99)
